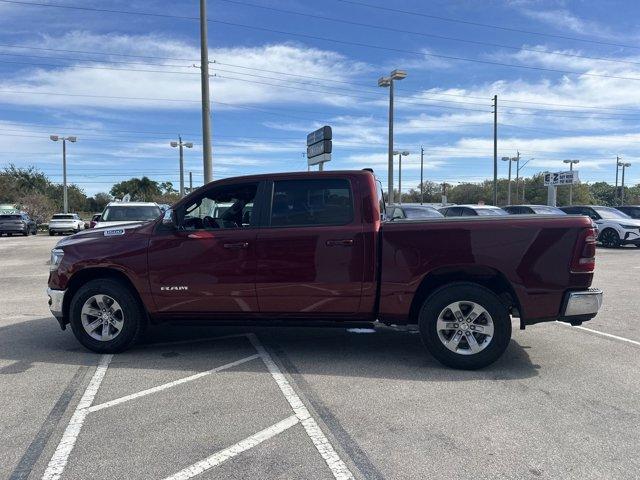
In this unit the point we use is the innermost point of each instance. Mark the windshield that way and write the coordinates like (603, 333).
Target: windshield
(10, 217)
(542, 210)
(63, 217)
(423, 212)
(610, 213)
(490, 211)
(119, 213)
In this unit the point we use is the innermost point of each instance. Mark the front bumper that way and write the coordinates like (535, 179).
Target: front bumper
(581, 306)
(56, 302)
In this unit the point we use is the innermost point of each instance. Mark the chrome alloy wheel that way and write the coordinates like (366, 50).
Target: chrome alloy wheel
(465, 327)
(102, 317)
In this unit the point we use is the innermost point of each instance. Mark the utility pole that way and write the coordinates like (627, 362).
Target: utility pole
(421, 175)
(495, 150)
(388, 82)
(206, 101)
(180, 144)
(190, 182)
(400, 153)
(55, 138)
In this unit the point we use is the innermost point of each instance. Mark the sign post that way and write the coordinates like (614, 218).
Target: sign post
(319, 146)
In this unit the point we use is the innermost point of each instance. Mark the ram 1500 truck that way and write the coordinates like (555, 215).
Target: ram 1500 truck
(310, 247)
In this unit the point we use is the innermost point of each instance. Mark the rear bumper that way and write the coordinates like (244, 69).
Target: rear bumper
(581, 306)
(13, 229)
(70, 228)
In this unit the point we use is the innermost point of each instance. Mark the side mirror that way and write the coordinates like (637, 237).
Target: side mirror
(397, 217)
(169, 219)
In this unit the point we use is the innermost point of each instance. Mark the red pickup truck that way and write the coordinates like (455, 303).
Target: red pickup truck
(314, 247)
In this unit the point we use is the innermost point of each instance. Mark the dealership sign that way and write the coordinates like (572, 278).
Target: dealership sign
(560, 178)
(319, 146)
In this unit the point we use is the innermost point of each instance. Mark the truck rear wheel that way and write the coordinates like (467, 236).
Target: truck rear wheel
(105, 316)
(465, 326)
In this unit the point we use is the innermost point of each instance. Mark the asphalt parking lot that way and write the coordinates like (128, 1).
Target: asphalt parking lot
(207, 402)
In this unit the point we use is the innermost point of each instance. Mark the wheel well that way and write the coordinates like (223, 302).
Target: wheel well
(88, 274)
(485, 276)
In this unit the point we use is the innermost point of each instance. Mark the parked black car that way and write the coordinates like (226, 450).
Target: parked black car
(411, 211)
(533, 210)
(21, 223)
(632, 210)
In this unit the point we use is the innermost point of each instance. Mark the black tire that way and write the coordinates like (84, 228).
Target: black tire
(51, 234)
(609, 238)
(438, 301)
(134, 315)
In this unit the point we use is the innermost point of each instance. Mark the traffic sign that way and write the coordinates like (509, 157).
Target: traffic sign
(560, 178)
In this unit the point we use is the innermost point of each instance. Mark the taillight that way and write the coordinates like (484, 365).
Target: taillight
(584, 258)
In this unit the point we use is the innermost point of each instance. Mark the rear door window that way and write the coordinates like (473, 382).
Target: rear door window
(311, 203)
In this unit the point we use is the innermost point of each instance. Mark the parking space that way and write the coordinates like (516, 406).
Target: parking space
(231, 402)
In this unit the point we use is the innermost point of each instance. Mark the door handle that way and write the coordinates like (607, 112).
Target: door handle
(340, 243)
(236, 246)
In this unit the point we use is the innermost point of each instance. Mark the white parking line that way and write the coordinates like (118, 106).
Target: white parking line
(67, 442)
(165, 386)
(628, 340)
(334, 462)
(230, 452)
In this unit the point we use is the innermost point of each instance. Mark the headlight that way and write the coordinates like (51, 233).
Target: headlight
(56, 258)
(629, 227)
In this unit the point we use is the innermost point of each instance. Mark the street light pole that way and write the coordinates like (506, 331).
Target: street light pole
(624, 167)
(206, 101)
(421, 175)
(388, 82)
(400, 153)
(55, 138)
(517, 175)
(495, 150)
(190, 182)
(180, 144)
(510, 159)
(571, 162)
(615, 192)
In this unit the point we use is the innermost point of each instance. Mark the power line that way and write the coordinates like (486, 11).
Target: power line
(486, 25)
(423, 54)
(98, 68)
(358, 44)
(422, 34)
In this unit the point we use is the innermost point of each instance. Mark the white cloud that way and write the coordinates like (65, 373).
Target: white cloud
(79, 81)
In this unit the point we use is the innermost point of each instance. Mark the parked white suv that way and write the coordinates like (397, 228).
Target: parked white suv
(123, 213)
(616, 228)
(65, 223)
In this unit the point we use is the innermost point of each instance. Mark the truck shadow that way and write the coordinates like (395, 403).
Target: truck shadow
(385, 353)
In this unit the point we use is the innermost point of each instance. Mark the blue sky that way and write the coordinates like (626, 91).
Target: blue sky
(280, 74)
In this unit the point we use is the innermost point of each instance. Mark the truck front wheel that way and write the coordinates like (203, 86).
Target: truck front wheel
(105, 316)
(465, 326)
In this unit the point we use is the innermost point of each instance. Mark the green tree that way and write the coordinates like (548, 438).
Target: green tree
(141, 189)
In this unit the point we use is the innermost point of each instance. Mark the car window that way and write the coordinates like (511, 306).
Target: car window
(421, 212)
(221, 207)
(609, 213)
(488, 212)
(547, 210)
(633, 212)
(453, 212)
(121, 213)
(62, 216)
(311, 202)
(9, 217)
